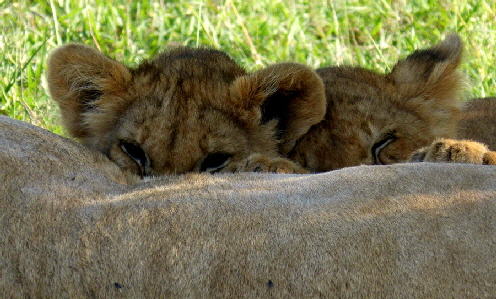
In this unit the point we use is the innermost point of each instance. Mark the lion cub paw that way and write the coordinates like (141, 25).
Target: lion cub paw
(455, 151)
(261, 163)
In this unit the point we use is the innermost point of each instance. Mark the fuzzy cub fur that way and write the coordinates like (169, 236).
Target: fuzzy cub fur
(192, 110)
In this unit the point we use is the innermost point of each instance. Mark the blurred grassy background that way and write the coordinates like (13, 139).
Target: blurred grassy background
(370, 33)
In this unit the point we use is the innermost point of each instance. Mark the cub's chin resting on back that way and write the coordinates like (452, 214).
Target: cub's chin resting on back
(191, 110)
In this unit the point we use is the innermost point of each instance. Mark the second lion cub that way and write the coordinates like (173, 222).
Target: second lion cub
(194, 110)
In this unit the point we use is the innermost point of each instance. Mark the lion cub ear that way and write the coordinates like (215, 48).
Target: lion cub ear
(289, 93)
(431, 72)
(89, 87)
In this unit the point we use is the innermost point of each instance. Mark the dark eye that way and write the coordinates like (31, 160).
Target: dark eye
(378, 146)
(136, 153)
(215, 162)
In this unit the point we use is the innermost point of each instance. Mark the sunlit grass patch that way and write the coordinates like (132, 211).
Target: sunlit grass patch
(372, 34)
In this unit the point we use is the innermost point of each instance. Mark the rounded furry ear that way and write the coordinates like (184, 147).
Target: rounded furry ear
(429, 82)
(82, 80)
(289, 93)
(431, 70)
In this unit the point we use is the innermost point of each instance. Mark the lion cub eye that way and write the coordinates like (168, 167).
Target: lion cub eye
(215, 162)
(135, 152)
(379, 146)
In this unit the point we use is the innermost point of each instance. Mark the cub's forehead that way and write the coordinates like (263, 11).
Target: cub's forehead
(176, 107)
(186, 75)
(190, 63)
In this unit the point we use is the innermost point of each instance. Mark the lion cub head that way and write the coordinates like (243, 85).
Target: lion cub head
(375, 118)
(187, 110)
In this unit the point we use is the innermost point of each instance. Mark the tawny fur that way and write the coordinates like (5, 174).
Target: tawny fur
(71, 227)
(191, 110)
(478, 122)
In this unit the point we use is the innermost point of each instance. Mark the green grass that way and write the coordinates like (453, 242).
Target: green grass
(370, 33)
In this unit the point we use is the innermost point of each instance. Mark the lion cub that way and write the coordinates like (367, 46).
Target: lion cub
(191, 110)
